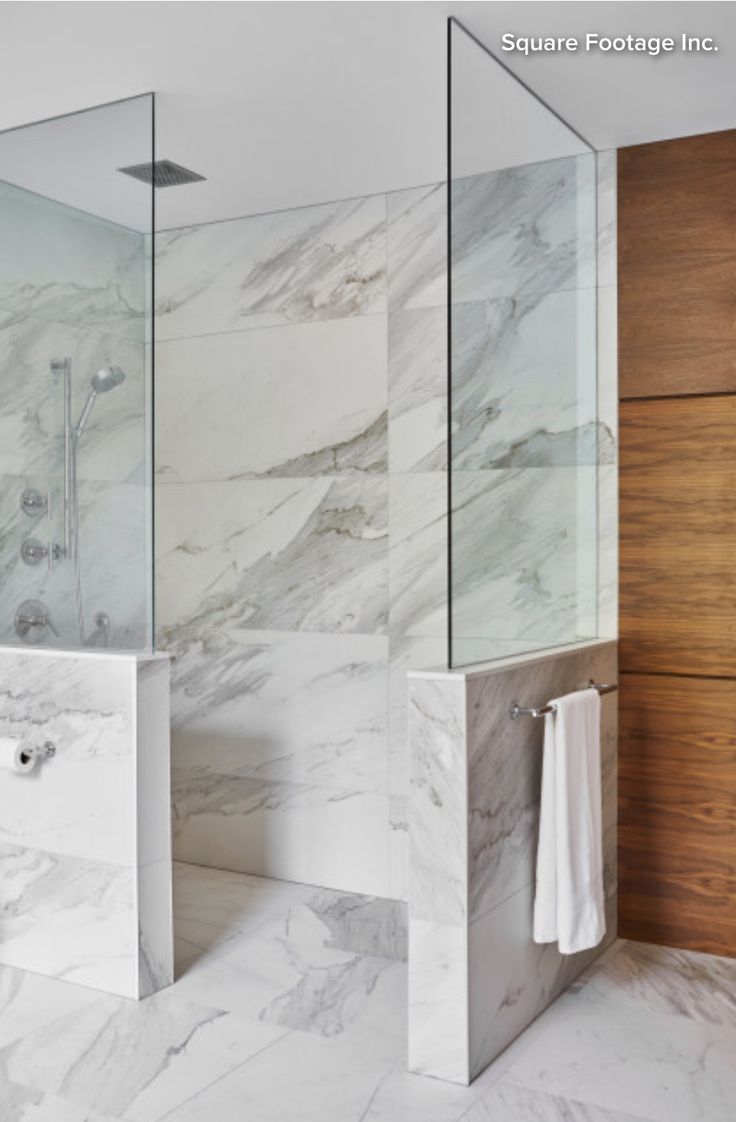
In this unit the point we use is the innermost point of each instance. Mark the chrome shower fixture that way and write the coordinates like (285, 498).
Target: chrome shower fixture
(103, 381)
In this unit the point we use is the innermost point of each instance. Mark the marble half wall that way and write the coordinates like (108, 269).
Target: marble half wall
(476, 978)
(85, 838)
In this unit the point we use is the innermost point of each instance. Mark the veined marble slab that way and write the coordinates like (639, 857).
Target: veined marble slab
(278, 554)
(317, 262)
(475, 784)
(85, 876)
(302, 400)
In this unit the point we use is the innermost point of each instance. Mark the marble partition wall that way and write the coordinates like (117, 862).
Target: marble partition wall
(85, 838)
(476, 978)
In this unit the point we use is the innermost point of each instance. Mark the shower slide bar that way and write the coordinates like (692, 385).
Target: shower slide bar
(517, 710)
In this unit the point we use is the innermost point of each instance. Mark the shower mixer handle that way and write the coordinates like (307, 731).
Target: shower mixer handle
(32, 621)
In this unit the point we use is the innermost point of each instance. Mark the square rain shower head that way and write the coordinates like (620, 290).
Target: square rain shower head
(164, 173)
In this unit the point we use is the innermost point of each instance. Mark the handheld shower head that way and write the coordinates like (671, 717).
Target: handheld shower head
(102, 381)
(107, 379)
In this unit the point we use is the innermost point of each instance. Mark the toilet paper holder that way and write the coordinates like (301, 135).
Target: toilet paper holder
(35, 753)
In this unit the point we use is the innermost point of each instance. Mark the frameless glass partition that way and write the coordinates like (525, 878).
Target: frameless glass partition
(522, 360)
(76, 377)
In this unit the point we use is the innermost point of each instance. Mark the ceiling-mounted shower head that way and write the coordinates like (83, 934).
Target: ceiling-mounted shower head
(102, 381)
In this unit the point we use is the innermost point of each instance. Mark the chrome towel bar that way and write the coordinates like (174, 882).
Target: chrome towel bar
(517, 710)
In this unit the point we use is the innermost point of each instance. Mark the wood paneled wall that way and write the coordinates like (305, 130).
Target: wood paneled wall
(677, 361)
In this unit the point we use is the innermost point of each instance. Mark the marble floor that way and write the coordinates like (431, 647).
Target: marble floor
(289, 1007)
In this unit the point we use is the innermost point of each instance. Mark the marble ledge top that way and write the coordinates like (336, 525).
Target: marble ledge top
(478, 669)
(63, 652)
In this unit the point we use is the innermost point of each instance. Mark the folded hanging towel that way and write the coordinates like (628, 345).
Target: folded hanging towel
(569, 904)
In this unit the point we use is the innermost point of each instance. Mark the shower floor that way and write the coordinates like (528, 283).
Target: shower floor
(289, 1007)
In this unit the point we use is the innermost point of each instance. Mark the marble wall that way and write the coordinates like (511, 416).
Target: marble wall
(85, 845)
(73, 285)
(476, 978)
(301, 518)
(300, 529)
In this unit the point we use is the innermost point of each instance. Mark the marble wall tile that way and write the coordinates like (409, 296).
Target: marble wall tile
(287, 554)
(62, 266)
(417, 390)
(322, 835)
(520, 397)
(82, 803)
(504, 768)
(220, 402)
(398, 847)
(418, 554)
(318, 262)
(438, 996)
(416, 248)
(85, 840)
(473, 818)
(535, 577)
(407, 653)
(607, 217)
(299, 707)
(525, 229)
(437, 803)
(69, 918)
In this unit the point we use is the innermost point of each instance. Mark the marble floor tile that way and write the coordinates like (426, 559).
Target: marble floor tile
(686, 983)
(623, 1056)
(134, 1061)
(507, 1102)
(22, 1104)
(30, 1001)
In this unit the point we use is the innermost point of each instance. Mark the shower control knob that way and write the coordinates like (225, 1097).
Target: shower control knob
(33, 551)
(33, 503)
(32, 621)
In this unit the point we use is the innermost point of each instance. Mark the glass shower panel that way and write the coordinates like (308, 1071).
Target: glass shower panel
(76, 381)
(522, 359)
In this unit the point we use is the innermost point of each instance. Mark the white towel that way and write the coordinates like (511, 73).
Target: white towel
(569, 904)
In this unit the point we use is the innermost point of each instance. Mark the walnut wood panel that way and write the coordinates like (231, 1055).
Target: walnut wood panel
(677, 812)
(678, 536)
(677, 266)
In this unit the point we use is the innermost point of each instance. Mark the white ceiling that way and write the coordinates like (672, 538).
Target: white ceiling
(287, 103)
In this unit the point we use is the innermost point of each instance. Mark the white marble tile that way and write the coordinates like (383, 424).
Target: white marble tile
(417, 247)
(321, 835)
(418, 554)
(301, 707)
(407, 653)
(417, 381)
(155, 928)
(220, 402)
(21, 1104)
(398, 842)
(139, 1061)
(153, 771)
(437, 802)
(319, 262)
(525, 229)
(607, 224)
(60, 265)
(535, 577)
(511, 979)
(505, 768)
(506, 1101)
(82, 803)
(666, 980)
(523, 382)
(69, 918)
(438, 1000)
(285, 554)
(30, 1001)
(629, 1058)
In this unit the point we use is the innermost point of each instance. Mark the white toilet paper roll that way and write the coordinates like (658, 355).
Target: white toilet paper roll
(12, 757)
